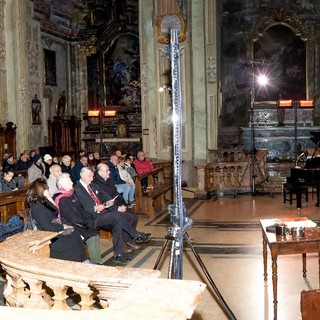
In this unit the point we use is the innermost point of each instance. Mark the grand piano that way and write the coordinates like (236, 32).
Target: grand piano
(309, 176)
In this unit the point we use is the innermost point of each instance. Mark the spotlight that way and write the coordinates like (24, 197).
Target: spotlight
(263, 80)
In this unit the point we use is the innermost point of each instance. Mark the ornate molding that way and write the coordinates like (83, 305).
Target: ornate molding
(164, 22)
(212, 69)
(144, 78)
(276, 17)
(23, 91)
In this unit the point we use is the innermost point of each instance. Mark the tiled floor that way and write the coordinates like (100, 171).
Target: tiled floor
(227, 236)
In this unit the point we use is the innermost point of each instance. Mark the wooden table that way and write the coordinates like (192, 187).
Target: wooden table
(309, 244)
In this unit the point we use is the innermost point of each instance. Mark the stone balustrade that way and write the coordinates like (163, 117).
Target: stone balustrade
(230, 169)
(38, 282)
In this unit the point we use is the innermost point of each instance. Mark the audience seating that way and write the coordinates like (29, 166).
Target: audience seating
(158, 192)
(12, 203)
(36, 281)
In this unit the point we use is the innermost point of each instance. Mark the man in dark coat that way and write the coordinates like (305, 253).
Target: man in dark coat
(75, 171)
(95, 202)
(106, 184)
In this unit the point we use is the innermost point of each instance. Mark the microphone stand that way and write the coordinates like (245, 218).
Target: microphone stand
(253, 161)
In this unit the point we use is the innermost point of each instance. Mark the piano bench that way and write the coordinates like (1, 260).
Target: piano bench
(289, 188)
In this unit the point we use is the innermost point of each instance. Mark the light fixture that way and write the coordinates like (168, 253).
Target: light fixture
(110, 113)
(285, 103)
(93, 113)
(163, 87)
(306, 103)
(106, 113)
(262, 80)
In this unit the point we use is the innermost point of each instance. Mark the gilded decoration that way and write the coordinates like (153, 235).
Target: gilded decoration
(276, 19)
(165, 23)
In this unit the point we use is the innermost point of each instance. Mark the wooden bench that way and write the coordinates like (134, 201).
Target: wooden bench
(159, 192)
(36, 281)
(12, 203)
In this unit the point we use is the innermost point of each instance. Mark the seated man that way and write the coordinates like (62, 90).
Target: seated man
(75, 171)
(55, 173)
(142, 165)
(106, 184)
(72, 213)
(126, 189)
(99, 205)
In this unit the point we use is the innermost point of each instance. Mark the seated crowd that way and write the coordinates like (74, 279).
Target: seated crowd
(79, 199)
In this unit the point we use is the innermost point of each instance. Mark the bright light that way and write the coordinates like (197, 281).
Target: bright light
(263, 80)
(161, 89)
(175, 117)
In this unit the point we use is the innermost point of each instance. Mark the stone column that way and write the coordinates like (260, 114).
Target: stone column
(213, 94)
(3, 67)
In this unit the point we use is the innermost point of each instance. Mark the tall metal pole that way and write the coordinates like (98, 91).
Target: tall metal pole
(177, 151)
(101, 102)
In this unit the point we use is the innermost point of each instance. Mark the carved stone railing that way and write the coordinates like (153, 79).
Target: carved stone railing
(38, 282)
(230, 169)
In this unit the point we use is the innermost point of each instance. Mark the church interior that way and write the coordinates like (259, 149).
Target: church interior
(97, 75)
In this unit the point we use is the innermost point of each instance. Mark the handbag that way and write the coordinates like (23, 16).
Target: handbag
(30, 223)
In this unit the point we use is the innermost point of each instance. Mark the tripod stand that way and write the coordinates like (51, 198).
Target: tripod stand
(253, 164)
(178, 213)
(176, 235)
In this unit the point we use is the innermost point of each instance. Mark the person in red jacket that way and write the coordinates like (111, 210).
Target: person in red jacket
(143, 165)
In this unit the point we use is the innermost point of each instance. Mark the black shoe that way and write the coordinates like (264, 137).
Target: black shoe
(120, 259)
(143, 237)
(134, 247)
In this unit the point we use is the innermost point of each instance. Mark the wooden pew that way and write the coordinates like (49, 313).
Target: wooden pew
(12, 203)
(159, 192)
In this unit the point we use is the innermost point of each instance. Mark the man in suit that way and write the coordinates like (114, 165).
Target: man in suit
(81, 163)
(94, 202)
(107, 185)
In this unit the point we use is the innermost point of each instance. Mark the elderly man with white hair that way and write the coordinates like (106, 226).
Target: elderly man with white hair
(94, 202)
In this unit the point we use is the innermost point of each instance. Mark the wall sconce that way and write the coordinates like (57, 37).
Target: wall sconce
(306, 103)
(285, 104)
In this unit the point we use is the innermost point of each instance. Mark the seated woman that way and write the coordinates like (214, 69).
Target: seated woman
(7, 183)
(72, 213)
(66, 246)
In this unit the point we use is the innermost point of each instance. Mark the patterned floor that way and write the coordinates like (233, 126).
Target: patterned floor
(227, 236)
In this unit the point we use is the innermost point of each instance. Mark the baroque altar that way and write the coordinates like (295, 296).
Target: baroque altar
(283, 142)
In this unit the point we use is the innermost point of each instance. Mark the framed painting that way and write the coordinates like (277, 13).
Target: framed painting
(50, 67)
(280, 55)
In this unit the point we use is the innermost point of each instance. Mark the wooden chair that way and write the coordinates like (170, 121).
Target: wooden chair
(310, 304)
